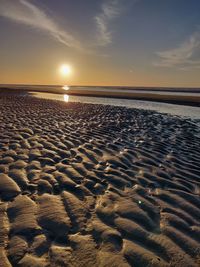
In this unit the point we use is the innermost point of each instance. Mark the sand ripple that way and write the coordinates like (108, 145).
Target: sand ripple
(91, 185)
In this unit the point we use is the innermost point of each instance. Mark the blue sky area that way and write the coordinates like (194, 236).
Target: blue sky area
(106, 42)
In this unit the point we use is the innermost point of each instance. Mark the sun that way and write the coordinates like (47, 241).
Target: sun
(65, 69)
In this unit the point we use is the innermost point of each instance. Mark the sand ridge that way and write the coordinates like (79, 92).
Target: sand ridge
(92, 185)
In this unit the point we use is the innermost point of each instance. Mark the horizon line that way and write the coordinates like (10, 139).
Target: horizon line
(119, 86)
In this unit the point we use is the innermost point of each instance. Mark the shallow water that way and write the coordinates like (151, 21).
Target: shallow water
(179, 110)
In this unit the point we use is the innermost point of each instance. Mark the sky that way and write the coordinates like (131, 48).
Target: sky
(106, 42)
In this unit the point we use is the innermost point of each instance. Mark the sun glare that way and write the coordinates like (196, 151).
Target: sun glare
(65, 87)
(66, 98)
(65, 70)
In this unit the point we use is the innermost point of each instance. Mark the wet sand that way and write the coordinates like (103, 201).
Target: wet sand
(92, 185)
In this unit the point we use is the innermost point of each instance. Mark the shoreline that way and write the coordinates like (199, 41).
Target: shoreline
(142, 88)
(171, 99)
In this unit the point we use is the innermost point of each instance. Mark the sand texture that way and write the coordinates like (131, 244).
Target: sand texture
(85, 185)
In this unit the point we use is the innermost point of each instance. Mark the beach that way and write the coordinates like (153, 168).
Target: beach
(97, 185)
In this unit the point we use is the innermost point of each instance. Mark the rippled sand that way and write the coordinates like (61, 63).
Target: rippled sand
(90, 185)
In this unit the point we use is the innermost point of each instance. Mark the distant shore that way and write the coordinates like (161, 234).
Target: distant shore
(174, 99)
(156, 97)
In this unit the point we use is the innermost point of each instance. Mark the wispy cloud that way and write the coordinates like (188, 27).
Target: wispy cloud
(185, 56)
(110, 10)
(25, 12)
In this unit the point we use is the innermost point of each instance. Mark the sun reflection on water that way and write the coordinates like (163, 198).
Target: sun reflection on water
(65, 87)
(66, 98)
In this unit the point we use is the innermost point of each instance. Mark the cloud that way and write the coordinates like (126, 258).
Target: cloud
(24, 12)
(110, 10)
(184, 57)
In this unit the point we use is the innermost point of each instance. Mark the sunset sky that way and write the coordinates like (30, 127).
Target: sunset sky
(106, 42)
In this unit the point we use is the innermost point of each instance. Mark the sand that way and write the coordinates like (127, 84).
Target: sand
(91, 185)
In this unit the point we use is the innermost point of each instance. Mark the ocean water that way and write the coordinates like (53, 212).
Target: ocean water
(179, 110)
